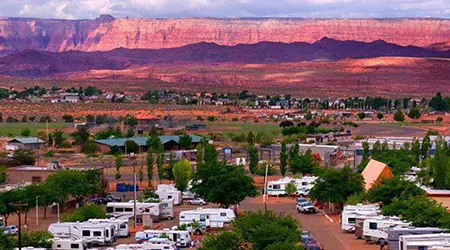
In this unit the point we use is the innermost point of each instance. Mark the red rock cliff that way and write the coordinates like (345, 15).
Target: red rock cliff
(107, 33)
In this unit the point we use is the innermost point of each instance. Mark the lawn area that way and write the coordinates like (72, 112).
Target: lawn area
(14, 129)
(272, 128)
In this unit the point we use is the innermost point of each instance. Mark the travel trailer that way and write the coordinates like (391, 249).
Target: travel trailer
(120, 225)
(92, 234)
(68, 244)
(277, 188)
(395, 232)
(352, 212)
(173, 194)
(181, 238)
(185, 195)
(375, 229)
(147, 246)
(423, 241)
(208, 217)
(161, 210)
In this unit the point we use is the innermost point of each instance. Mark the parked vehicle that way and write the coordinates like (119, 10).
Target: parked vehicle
(306, 207)
(181, 238)
(351, 212)
(376, 229)
(111, 198)
(120, 225)
(395, 232)
(146, 246)
(422, 241)
(92, 234)
(301, 199)
(197, 201)
(161, 210)
(175, 195)
(68, 244)
(97, 200)
(304, 191)
(277, 188)
(209, 217)
(10, 230)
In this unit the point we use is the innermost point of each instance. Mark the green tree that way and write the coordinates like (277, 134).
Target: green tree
(90, 147)
(182, 172)
(250, 138)
(283, 159)
(131, 121)
(199, 156)
(58, 136)
(225, 240)
(399, 116)
(361, 115)
(290, 188)
(24, 157)
(253, 159)
(160, 165)
(36, 239)
(223, 184)
(426, 144)
(210, 154)
(185, 141)
(84, 213)
(25, 132)
(395, 188)
(294, 159)
(131, 146)
(69, 183)
(67, 118)
(119, 161)
(81, 136)
(150, 160)
(154, 144)
(414, 113)
(336, 185)
(415, 150)
(380, 116)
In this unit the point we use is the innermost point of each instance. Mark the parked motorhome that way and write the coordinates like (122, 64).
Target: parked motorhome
(376, 229)
(68, 244)
(395, 232)
(445, 246)
(175, 195)
(185, 195)
(120, 225)
(352, 212)
(155, 244)
(161, 210)
(422, 241)
(208, 217)
(181, 238)
(276, 188)
(98, 234)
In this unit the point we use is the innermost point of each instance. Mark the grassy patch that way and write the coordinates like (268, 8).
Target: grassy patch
(272, 129)
(15, 129)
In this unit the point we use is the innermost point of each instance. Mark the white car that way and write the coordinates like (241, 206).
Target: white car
(303, 191)
(10, 230)
(197, 201)
(306, 207)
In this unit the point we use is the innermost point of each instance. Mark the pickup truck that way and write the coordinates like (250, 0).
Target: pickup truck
(306, 207)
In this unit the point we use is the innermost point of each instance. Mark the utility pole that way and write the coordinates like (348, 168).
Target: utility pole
(37, 210)
(265, 189)
(19, 205)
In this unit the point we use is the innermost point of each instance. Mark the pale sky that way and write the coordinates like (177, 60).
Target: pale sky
(80, 9)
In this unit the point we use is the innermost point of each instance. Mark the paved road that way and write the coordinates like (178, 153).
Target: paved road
(327, 233)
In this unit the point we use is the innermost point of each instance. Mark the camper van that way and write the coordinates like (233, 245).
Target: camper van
(181, 238)
(68, 244)
(423, 241)
(120, 225)
(277, 188)
(208, 217)
(185, 195)
(375, 229)
(173, 194)
(395, 232)
(92, 234)
(352, 212)
(161, 210)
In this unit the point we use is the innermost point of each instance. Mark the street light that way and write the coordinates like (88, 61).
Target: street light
(134, 190)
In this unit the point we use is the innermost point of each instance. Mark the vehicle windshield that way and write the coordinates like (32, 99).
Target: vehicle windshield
(306, 204)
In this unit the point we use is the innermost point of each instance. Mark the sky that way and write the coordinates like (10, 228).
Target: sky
(89, 9)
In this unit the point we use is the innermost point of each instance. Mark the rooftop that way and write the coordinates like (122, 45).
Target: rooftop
(141, 141)
(26, 140)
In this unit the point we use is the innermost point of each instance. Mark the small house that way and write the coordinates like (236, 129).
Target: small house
(24, 143)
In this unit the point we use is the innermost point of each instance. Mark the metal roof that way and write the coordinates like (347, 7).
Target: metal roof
(27, 140)
(141, 141)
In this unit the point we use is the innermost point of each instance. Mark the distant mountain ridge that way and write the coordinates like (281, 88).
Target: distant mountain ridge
(31, 63)
(106, 33)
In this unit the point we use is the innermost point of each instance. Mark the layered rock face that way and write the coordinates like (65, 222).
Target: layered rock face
(107, 33)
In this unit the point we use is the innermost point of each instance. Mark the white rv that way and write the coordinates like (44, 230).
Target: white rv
(276, 188)
(68, 244)
(422, 241)
(181, 238)
(147, 246)
(208, 217)
(352, 212)
(92, 234)
(120, 225)
(188, 194)
(396, 232)
(375, 229)
(175, 195)
(161, 210)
